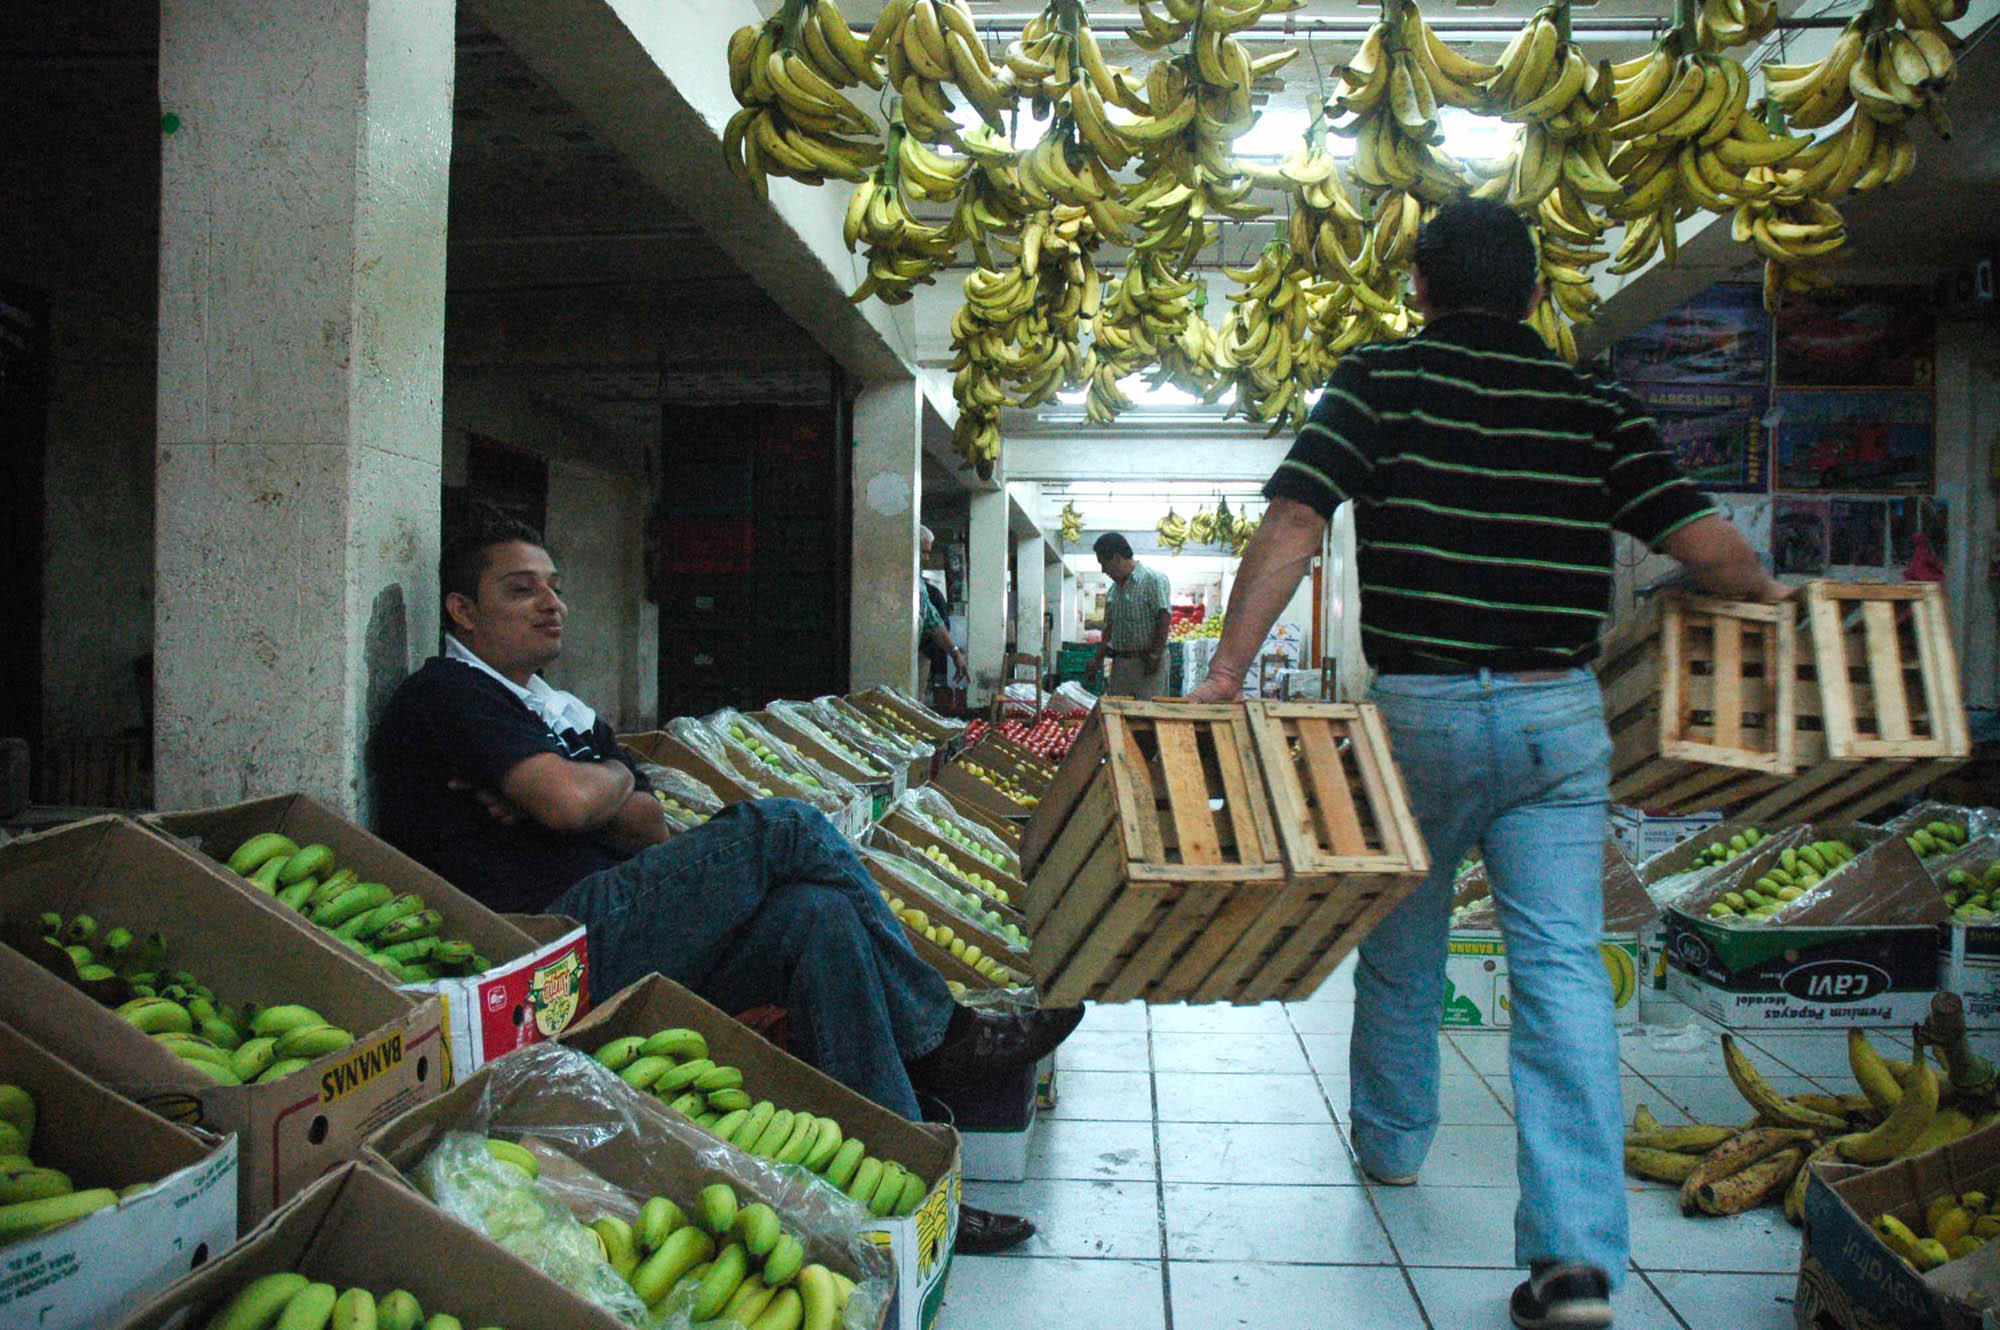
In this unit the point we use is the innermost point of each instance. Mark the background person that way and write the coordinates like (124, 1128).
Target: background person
(1137, 615)
(1489, 476)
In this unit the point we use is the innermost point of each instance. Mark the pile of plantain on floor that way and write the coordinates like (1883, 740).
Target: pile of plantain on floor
(1902, 1109)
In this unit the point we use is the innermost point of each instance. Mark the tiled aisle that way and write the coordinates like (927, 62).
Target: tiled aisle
(1195, 1175)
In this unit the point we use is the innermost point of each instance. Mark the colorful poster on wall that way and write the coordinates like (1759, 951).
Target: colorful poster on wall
(1715, 431)
(1719, 336)
(1912, 517)
(1858, 337)
(1799, 537)
(1857, 532)
(1872, 440)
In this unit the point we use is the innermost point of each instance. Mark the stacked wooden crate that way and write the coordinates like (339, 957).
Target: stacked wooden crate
(1214, 853)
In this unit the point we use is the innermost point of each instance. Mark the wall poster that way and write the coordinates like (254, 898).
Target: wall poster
(1858, 337)
(1854, 440)
(1715, 431)
(1719, 336)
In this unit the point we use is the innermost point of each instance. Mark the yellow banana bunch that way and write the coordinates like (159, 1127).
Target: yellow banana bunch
(1265, 338)
(1246, 528)
(1201, 527)
(1058, 64)
(1794, 232)
(1071, 528)
(1191, 361)
(926, 45)
(1172, 531)
(1720, 24)
(993, 200)
(788, 75)
(1388, 105)
(1145, 310)
(903, 253)
(1564, 105)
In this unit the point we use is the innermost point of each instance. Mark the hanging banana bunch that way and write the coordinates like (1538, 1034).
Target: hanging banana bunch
(1387, 105)
(1191, 360)
(1793, 230)
(1071, 529)
(1721, 24)
(787, 74)
(1201, 527)
(992, 200)
(1172, 531)
(1563, 103)
(903, 252)
(1143, 312)
(1225, 522)
(1246, 528)
(927, 45)
(1058, 65)
(1264, 339)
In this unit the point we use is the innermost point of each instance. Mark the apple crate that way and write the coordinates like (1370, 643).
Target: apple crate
(1158, 870)
(1701, 696)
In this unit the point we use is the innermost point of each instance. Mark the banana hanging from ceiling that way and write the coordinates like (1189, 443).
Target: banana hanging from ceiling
(788, 75)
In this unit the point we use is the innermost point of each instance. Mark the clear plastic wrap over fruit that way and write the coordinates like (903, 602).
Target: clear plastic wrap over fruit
(911, 703)
(603, 1148)
(685, 790)
(793, 772)
(908, 747)
(803, 717)
(746, 766)
(982, 899)
(927, 805)
(961, 905)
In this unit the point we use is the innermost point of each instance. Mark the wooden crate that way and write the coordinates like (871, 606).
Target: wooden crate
(1702, 697)
(1887, 672)
(1157, 869)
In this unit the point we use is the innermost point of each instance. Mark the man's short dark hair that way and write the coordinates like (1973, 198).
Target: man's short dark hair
(1112, 545)
(463, 558)
(1477, 254)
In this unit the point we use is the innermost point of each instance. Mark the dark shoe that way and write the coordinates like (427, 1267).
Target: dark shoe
(994, 1041)
(1562, 1296)
(984, 1232)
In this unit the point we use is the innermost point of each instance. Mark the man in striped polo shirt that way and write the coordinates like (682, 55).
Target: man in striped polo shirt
(1138, 613)
(1488, 477)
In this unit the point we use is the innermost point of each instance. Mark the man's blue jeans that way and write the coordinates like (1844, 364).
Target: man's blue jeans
(1521, 769)
(768, 903)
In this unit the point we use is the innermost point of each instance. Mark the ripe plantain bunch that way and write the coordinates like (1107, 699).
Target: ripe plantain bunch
(1721, 24)
(1266, 340)
(787, 74)
(1058, 65)
(1072, 524)
(1564, 105)
(1903, 1109)
(1239, 540)
(1172, 531)
(1358, 297)
(1195, 106)
(1388, 104)
(1191, 361)
(926, 45)
(1792, 230)
(992, 199)
(1146, 309)
(903, 252)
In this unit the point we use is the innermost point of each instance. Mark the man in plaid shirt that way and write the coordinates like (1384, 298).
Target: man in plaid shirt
(1136, 618)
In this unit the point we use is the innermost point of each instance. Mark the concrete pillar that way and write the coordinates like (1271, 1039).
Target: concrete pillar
(302, 256)
(1052, 606)
(1030, 585)
(882, 633)
(986, 585)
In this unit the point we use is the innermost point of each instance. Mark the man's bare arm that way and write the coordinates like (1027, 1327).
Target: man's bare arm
(639, 823)
(567, 796)
(1722, 562)
(1277, 558)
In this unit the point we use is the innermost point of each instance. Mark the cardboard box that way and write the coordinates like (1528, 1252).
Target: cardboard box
(879, 788)
(1642, 836)
(1657, 872)
(663, 749)
(539, 981)
(357, 1227)
(988, 803)
(975, 934)
(644, 1153)
(82, 1274)
(1850, 1280)
(917, 770)
(248, 948)
(918, 835)
(1045, 1084)
(921, 1251)
(1008, 829)
(995, 1121)
(946, 737)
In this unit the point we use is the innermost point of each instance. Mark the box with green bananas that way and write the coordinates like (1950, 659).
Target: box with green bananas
(599, 1182)
(1861, 1267)
(1476, 984)
(1857, 946)
(505, 981)
(1969, 952)
(919, 1241)
(765, 756)
(100, 1201)
(239, 990)
(359, 1249)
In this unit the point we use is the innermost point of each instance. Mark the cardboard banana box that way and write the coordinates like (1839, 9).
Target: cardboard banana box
(540, 978)
(80, 1276)
(246, 947)
(358, 1227)
(919, 1245)
(879, 788)
(632, 1141)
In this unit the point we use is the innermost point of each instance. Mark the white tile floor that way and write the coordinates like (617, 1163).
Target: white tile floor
(1196, 1175)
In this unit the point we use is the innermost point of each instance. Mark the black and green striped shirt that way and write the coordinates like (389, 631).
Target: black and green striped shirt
(1488, 476)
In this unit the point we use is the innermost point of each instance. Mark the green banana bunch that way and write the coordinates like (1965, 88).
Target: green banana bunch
(1935, 838)
(1797, 871)
(673, 1065)
(1721, 852)
(288, 1299)
(370, 917)
(34, 1199)
(738, 1260)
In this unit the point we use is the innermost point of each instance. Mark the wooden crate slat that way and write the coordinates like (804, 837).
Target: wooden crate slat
(1089, 824)
(1188, 915)
(1250, 946)
(1132, 784)
(1253, 836)
(1187, 792)
(1941, 671)
(1079, 976)
(1371, 756)
(1354, 932)
(1089, 893)
(1885, 671)
(1863, 671)
(1185, 979)
(1339, 822)
(1410, 849)
(1727, 683)
(1072, 781)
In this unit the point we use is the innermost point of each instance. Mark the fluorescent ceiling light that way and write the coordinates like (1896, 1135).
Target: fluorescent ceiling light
(1141, 392)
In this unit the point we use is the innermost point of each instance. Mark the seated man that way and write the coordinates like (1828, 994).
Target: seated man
(518, 794)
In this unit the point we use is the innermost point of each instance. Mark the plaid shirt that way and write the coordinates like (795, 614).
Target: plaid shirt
(1132, 611)
(927, 616)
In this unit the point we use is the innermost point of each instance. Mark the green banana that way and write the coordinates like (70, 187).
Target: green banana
(444, 1322)
(17, 1107)
(775, 1134)
(34, 1184)
(846, 1161)
(752, 1127)
(312, 1041)
(253, 1057)
(296, 895)
(416, 951)
(826, 1144)
(889, 1190)
(193, 1047)
(805, 1130)
(682, 1250)
(866, 1179)
(252, 854)
(354, 1310)
(759, 1228)
(658, 1218)
(718, 1078)
(620, 1243)
(311, 1308)
(645, 1073)
(95, 974)
(288, 1016)
(728, 1101)
(258, 1303)
(681, 1077)
(314, 861)
(715, 1207)
(423, 923)
(752, 1297)
(265, 879)
(726, 1125)
(689, 1105)
(784, 1312)
(821, 1298)
(678, 1043)
(719, 1285)
(507, 1152)
(158, 1015)
(218, 1072)
(619, 1053)
(221, 1033)
(27, 1218)
(277, 1071)
(399, 1310)
(787, 1255)
(355, 900)
(912, 1197)
(379, 918)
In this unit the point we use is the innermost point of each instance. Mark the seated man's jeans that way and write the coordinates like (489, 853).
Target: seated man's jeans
(767, 902)
(1521, 769)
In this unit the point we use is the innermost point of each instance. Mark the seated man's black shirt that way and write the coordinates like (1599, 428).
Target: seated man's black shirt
(447, 722)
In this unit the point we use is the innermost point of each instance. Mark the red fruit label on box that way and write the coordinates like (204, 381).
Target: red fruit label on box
(531, 1000)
